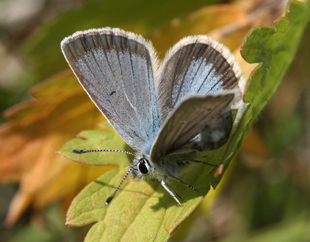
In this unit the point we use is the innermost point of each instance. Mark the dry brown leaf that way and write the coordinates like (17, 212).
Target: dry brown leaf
(36, 130)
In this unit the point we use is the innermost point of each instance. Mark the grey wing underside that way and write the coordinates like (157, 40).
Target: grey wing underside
(195, 65)
(115, 68)
(209, 116)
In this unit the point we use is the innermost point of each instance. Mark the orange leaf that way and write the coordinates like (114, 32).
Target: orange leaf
(36, 130)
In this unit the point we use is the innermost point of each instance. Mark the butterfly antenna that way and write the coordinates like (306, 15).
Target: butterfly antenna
(87, 151)
(113, 195)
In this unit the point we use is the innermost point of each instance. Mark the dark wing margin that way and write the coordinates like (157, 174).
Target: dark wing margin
(196, 65)
(115, 68)
(206, 118)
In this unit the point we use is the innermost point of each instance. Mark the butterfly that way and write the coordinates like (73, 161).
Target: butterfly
(165, 111)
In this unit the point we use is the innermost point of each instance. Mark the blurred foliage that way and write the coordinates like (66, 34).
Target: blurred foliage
(138, 16)
(264, 196)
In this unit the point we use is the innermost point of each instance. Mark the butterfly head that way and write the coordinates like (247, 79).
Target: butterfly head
(141, 168)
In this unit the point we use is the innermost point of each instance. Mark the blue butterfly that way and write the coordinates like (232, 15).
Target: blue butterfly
(164, 111)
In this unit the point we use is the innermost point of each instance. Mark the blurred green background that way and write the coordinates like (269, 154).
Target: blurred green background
(265, 195)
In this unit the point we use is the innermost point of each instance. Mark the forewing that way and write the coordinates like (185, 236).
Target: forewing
(115, 68)
(195, 65)
(195, 115)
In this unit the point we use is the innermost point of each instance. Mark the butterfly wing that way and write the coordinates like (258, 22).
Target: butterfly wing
(207, 115)
(115, 68)
(195, 65)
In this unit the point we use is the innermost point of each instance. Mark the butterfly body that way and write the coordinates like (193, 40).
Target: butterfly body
(169, 164)
(167, 112)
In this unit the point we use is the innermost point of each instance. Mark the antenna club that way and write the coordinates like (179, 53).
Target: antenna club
(109, 200)
(79, 151)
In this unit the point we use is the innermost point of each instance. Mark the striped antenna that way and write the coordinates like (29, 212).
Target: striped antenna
(113, 195)
(77, 151)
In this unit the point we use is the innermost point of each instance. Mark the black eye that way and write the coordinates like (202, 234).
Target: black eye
(142, 168)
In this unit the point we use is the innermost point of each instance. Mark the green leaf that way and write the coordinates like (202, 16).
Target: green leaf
(141, 200)
(144, 211)
(274, 48)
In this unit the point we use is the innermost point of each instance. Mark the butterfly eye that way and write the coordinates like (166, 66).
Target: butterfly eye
(142, 167)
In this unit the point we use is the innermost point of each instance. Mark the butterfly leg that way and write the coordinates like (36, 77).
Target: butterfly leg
(202, 162)
(170, 190)
(179, 180)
